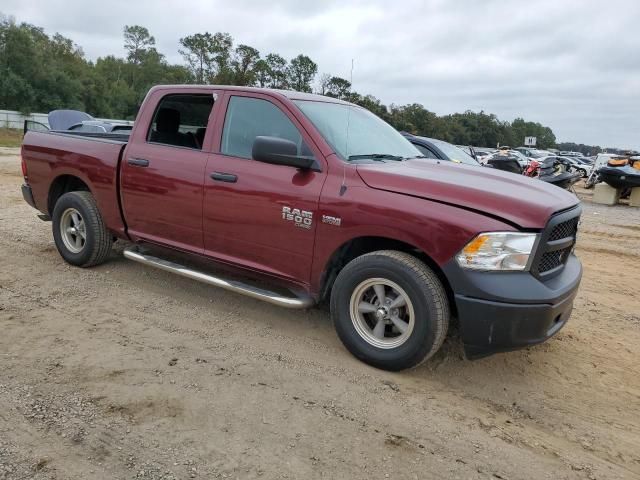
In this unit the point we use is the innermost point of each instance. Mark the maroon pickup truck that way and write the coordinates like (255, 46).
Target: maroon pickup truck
(297, 199)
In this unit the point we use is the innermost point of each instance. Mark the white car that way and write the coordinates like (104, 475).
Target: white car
(584, 169)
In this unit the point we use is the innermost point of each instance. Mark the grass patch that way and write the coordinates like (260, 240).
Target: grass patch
(10, 137)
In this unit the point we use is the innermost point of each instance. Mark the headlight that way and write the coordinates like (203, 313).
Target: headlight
(498, 251)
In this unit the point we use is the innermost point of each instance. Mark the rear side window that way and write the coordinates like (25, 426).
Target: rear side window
(248, 118)
(181, 120)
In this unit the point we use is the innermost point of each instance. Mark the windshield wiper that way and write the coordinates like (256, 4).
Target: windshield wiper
(377, 156)
(416, 156)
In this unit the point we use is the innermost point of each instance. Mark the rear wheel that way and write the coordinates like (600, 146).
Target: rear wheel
(390, 309)
(79, 231)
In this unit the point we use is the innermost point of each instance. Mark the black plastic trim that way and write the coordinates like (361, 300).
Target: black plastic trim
(501, 311)
(27, 194)
(545, 245)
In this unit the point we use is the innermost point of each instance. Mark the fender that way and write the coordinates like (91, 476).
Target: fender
(437, 230)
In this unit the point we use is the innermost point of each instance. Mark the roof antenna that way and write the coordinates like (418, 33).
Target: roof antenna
(343, 187)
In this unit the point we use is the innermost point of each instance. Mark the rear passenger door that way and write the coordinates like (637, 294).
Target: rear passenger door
(259, 215)
(163, 169)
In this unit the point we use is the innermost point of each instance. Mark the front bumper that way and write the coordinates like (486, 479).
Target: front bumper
(510, 310)
(27, 194)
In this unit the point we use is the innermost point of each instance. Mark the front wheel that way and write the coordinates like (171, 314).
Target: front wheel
(79, 231)
(390, 309)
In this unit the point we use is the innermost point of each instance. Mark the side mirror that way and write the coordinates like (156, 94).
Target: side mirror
(279, 151)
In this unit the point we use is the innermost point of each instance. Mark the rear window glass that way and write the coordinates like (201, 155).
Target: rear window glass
(181, 120)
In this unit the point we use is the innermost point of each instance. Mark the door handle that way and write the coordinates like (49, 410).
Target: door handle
(138, 162)
(224, 177)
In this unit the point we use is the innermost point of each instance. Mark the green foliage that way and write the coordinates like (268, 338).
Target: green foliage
(42, 73)
(301, 73)
(196, 50)
(579, 147)
(276, 71)
(243, 65)
(338, 87)
(137, 42)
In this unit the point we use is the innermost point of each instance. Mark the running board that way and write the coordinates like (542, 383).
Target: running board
(133, 253)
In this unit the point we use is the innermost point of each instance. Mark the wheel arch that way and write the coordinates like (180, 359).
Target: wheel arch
(62, 184)
(358, 246)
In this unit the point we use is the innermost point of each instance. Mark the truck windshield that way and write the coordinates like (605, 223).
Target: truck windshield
(355, 133)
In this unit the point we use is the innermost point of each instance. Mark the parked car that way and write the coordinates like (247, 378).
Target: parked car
(533, 152)
(322, 201)
(432, 148)
(579, 166)
(482, 153)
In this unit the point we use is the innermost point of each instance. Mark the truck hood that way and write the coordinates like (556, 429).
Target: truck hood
(517, 199)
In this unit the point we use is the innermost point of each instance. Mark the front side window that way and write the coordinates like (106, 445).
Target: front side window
(248, 118)
(181, 120)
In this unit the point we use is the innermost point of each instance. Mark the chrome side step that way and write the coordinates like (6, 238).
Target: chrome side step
(133, 253)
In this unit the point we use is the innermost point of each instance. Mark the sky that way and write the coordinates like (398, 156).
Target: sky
(573, 65)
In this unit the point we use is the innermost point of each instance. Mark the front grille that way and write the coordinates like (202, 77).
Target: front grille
(566, 229)
(556, 243)
(551, 260)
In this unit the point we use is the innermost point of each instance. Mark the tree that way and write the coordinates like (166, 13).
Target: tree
(208, 57)
(338, 88)
(323, 83)
(243, 65)
(301, 73)
(196, 50)
(39, 72)
(372, 104)
(137, 41)
(544, 135)
(221, 45)
(262, 72)
(277, 71)
(414, 118)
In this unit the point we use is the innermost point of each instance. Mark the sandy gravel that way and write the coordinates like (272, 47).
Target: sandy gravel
(123, 372)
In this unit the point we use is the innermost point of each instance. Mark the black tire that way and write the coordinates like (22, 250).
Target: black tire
(97, 245)
(583, 173)
(425, 292)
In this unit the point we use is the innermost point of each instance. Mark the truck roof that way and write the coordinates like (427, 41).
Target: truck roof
(290, 94)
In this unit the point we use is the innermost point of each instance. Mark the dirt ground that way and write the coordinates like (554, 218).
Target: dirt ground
(123, 371)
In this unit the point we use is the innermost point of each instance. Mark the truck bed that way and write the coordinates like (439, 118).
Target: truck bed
(92, 157)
